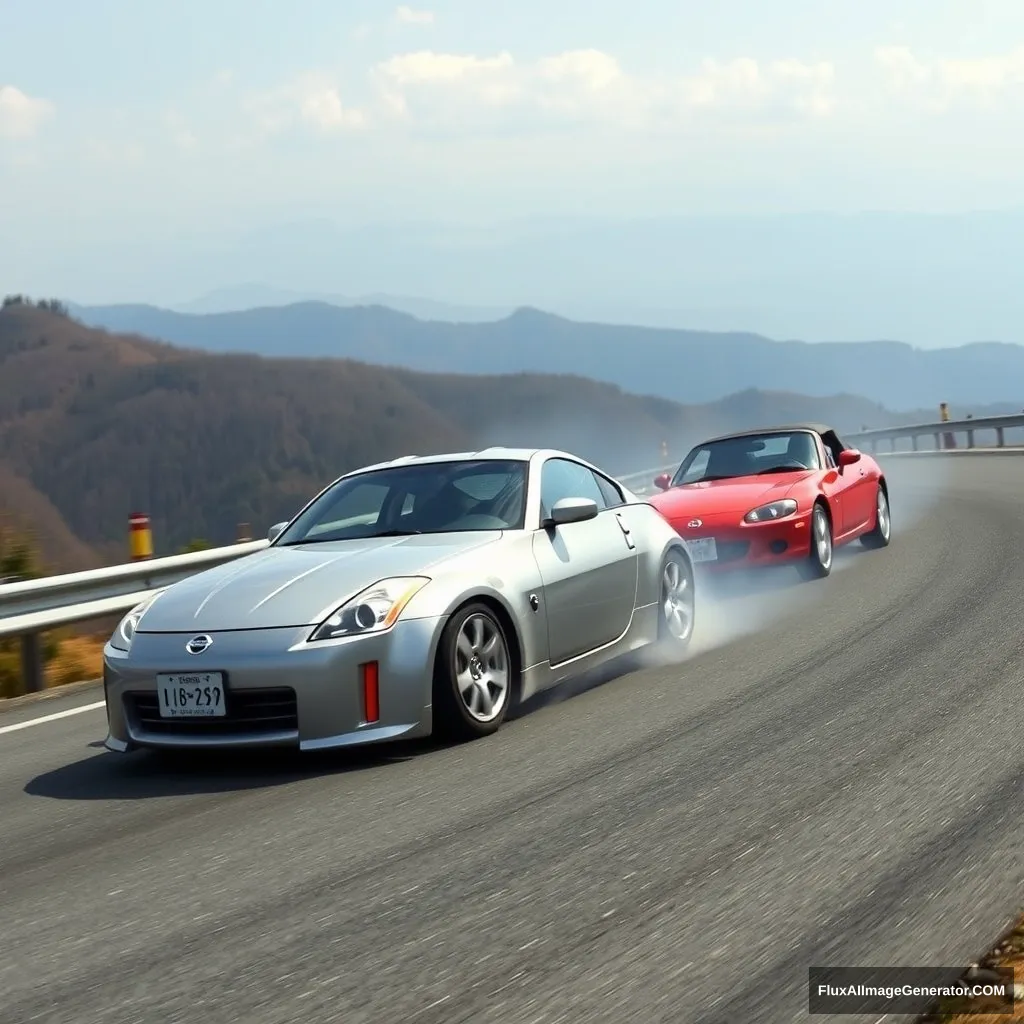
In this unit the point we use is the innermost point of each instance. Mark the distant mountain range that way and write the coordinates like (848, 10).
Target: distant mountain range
(928, 279)
(256, 296)
(681, 365)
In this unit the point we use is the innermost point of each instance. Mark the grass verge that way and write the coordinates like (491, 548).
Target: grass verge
(79, 657)
(1007, 952)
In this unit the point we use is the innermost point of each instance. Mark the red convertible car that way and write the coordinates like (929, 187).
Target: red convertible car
(778, 495)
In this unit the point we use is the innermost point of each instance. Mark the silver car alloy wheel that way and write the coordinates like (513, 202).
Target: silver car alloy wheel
(482, 668)
(822, 538)
(884, 525)
(677, 600)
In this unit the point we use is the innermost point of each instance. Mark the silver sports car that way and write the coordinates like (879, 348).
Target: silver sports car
(416, 596)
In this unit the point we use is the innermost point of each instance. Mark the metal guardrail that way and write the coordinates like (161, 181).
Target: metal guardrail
(969, 426)
(29, 608)
(54, 601)
(643, 482)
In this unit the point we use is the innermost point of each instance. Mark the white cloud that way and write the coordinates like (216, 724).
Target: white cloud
(583, 85)
(943, 82)
(180, 132)
(779, 85)
(113, 153)
(409, 16)
(321, 106)
(312, 99)
(409, 77)
(427, 66)
(21, 115)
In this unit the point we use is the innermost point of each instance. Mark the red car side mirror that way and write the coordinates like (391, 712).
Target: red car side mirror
(848, 456)
(662, 480)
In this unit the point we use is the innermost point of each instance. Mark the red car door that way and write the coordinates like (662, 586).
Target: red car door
(861, 489)
(834, 488)
(853, 485)
(855, 488)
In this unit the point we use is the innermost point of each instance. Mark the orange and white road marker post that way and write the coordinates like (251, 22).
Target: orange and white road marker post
(140, 537)
(948, 438)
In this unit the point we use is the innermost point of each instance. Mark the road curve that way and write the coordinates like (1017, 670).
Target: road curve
(835, 776)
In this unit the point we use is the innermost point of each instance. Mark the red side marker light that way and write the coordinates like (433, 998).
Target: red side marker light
(371, 692)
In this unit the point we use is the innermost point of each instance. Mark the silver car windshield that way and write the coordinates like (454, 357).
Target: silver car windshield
(431, 497)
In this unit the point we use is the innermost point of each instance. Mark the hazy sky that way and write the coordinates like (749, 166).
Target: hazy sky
(121, 118)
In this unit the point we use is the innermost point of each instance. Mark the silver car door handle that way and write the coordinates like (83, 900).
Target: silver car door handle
(625, 530)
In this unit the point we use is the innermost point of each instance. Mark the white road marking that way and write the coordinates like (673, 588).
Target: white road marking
(51, 718)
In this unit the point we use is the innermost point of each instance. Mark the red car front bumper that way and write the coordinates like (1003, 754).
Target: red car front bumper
(738, 545)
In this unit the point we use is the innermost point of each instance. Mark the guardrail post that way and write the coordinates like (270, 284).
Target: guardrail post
(913, 441)
(32, 662)
(140, 537)
(244, 533)
(1000, 437)
(970, 438)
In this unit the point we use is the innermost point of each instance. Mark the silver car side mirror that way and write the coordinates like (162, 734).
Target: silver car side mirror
(573, 510)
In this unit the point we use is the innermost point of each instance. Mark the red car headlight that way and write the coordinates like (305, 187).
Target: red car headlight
(773, 510)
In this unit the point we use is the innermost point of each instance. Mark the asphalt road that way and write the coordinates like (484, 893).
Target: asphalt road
(834, 777)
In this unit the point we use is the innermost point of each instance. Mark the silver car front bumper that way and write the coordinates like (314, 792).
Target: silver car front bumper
(280, 690)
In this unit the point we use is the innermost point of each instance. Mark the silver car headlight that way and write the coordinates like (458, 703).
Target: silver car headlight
(373, 610)
(773, 510)
(125, 632)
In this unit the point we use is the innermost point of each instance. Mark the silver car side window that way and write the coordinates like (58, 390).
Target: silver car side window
(561, 478)
(610, 490)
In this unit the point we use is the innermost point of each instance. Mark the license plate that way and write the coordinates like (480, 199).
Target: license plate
(703, 549)
(191, 695)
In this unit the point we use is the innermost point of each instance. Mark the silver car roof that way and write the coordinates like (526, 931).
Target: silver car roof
(497, 452)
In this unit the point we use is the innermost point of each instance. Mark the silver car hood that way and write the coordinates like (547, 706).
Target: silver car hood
(293, 586)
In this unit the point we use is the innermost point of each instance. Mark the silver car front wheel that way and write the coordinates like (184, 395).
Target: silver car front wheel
(474, 674)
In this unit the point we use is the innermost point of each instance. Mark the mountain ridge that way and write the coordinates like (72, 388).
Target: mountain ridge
(688, 366)
(524, 314)
(924, 278)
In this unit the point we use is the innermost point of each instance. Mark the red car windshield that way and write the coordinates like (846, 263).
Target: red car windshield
(752, 455)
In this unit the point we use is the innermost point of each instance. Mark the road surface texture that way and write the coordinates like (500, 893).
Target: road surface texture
(833, 777)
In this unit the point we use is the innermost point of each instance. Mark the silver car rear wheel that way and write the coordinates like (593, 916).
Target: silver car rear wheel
(677, 603)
